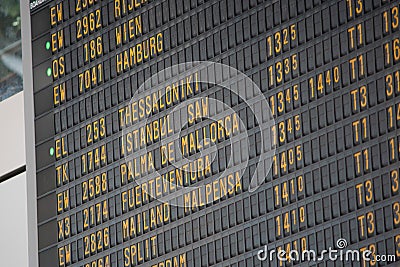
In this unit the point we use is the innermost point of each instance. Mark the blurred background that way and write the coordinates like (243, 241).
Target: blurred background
(13, 200)
(10, 49)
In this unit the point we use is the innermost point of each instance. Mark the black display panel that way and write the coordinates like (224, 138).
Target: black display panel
(288, 145)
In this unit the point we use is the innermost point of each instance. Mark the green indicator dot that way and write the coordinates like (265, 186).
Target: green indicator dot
(47, 45)
(51, 151)
(48, 72)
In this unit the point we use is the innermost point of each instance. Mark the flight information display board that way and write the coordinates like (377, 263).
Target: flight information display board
(141, 159)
